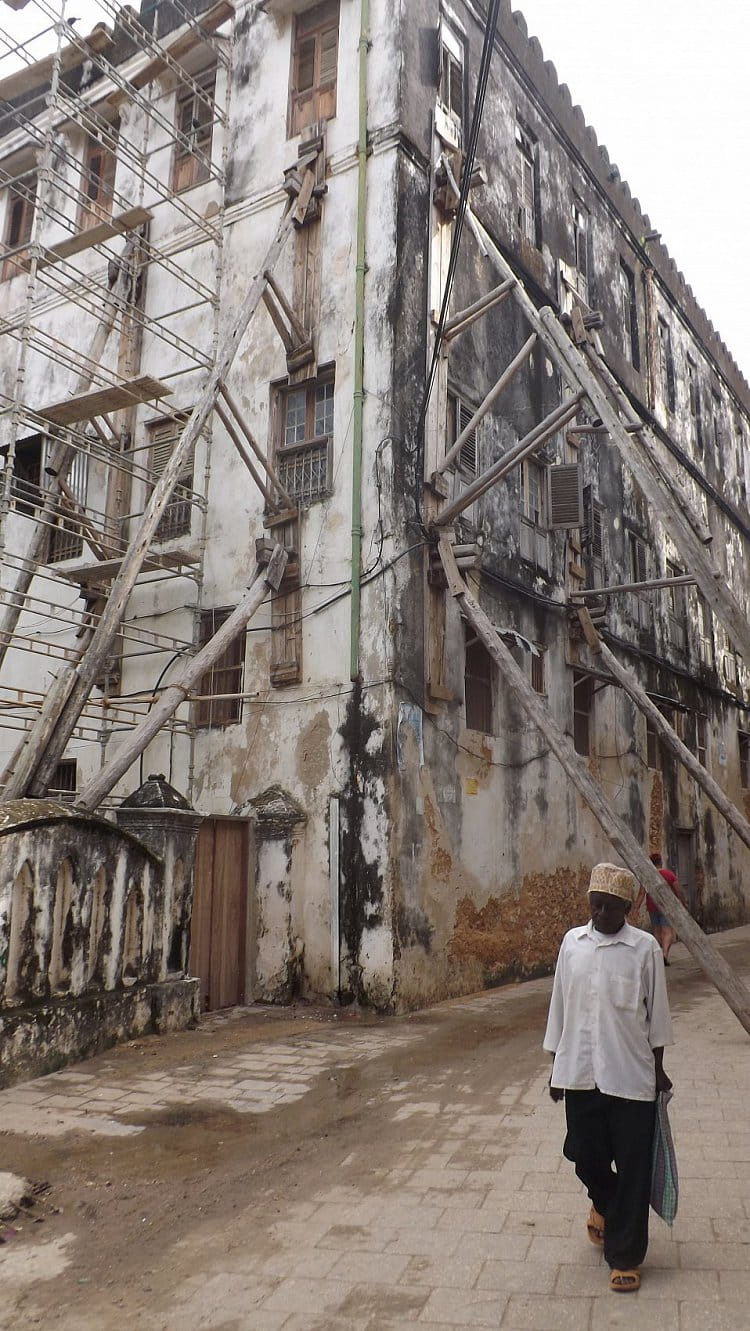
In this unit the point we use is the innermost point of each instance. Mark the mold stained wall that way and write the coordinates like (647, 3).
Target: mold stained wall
(481, 895)
(306, 737)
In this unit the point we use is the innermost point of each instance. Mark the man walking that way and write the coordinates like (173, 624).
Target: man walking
(607, 1028)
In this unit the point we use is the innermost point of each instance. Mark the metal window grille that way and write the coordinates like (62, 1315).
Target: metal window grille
(65, 538)
(64, 781)
(306, 430)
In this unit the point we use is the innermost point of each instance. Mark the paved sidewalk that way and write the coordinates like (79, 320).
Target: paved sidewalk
(436, 1199)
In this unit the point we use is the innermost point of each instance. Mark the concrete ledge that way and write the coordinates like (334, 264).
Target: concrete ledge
(44, 1037)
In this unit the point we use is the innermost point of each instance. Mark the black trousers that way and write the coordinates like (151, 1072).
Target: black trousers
(605, 1130)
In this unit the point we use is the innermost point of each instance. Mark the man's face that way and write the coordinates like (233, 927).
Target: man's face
(607, 912)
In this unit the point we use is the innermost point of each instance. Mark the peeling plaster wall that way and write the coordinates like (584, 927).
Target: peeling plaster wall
(441, 861)
(84, 954)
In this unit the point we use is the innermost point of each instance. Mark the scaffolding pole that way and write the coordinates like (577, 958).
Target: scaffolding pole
(64, 713)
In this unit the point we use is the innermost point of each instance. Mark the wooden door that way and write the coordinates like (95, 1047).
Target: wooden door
(685, 867)
(218, 946)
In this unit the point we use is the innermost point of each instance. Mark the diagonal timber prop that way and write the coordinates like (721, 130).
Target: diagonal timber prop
(635, 443)
(264, 580)
(630, 685)
(632, 854)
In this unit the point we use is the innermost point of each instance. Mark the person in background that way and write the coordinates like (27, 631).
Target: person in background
(607, 1028)
(663, 932)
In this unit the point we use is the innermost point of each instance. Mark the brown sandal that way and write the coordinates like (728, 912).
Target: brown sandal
(624, 1282)
(595, 1227)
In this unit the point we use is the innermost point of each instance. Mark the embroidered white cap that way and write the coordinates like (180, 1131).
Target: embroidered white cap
(614, 880)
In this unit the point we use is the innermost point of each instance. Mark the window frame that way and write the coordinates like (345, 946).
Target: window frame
(581, 248)
(177, 518)
(65, 536)
(452, 71)
(285, 452)
(479, 703)
(98, 207)
(537, 530)
(666, 362)
(677, 615)
(527, 184)
(192, 166)
(694, 403)
(629, 313)
(458, 414)
(22, 194)
(317, 101)
(583, 716)
(212, 711)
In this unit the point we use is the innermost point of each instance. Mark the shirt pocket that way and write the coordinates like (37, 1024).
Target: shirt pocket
(623, 992)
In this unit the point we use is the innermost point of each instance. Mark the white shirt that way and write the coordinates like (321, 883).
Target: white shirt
(609, 1011)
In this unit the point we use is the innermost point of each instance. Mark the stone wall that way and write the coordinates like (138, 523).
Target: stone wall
(88, 953)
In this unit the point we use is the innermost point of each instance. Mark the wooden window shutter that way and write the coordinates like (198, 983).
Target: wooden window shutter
(467, 457)
(566, 495)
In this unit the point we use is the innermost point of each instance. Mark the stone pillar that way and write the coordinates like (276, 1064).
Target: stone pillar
(163, 820)
(279, 943)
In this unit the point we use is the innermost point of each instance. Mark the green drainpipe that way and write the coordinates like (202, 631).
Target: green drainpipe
(359, 348)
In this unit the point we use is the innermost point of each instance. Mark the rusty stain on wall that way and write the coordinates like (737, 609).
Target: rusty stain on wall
(518, 935)
(656, 814)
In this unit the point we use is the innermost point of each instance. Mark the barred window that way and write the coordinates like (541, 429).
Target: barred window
(479, 673)
(65, 538)
(305, 414)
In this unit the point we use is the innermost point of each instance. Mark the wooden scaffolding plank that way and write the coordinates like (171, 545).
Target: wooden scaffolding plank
(82, 408)
(105, 569)
(209, 22)
(95, 235)
(633, 855)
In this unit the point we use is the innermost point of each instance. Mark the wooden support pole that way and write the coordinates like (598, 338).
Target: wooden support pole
(657, 491)
(507, 375)
(463, 320)
(296, 326)
(95, 538)
(233, 435)
(260, 455)
(108, 625)
(269, 577)
(630, 685)
(630, 851)
(635, 445)
(530, 442)
(593, 593)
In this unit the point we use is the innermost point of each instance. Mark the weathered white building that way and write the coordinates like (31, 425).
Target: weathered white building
(381, 824)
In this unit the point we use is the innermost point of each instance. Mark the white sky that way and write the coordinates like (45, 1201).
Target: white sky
(665, 85)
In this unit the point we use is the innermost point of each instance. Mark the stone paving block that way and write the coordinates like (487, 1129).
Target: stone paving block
(460, 1200)
(482, 1219)
(456, 1272)
(299, 1262)
(506, 1247)
(631, 1312)
(429, 1243)
(518, 1277)
(392, 1301)
(548, 1223)
(697, 1315)
(361, 1268)
(357, 1237)
(540, 1312)
(308, 1296)
(463, 1307)
(569, 1251)
(714, 1257)
(735, 1285)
